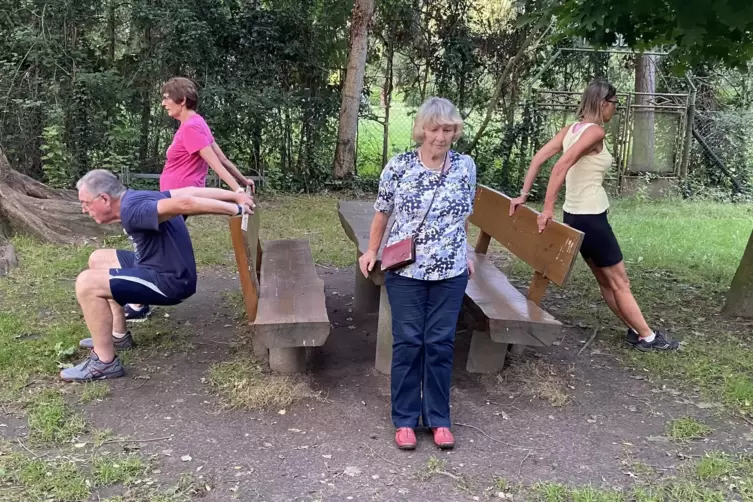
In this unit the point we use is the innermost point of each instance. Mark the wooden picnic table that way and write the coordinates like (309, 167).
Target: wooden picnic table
(370, 296)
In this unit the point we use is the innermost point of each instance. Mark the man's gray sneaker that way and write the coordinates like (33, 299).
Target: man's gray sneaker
(124, 343)
(93, 369)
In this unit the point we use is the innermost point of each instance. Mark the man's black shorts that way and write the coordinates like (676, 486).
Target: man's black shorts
(599, 242)
(133, 284)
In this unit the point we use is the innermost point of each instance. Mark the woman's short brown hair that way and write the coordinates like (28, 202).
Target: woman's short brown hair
(179, 89)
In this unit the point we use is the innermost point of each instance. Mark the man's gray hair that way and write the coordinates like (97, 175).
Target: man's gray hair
(101, 181)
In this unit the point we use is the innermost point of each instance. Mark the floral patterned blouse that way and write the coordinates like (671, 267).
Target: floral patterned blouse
(406, 188)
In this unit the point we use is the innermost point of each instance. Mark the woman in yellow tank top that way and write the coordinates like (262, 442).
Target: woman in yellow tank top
(582, 166)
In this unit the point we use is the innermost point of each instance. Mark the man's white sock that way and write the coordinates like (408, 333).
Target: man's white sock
(118, 335)
(650, 338)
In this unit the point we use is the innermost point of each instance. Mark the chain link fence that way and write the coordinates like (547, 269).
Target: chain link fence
(722, 150)
(378, 138)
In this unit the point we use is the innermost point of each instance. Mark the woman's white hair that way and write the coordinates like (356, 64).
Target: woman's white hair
(436, 111)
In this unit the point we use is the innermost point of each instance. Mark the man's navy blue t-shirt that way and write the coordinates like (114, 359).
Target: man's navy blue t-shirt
(163, 247)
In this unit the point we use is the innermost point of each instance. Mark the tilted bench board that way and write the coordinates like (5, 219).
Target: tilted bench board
(282, 293)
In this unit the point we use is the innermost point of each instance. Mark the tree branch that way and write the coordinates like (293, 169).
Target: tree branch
(528, 42)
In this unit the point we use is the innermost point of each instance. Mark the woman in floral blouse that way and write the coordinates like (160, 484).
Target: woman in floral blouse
(425, 296)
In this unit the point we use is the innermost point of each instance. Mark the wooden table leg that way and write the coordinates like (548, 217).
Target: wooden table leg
(383, 362)
(366, 296)
(485, 356)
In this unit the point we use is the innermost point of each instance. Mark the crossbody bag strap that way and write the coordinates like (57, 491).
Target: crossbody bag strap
(445, 168)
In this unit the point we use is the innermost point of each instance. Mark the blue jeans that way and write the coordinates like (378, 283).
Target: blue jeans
(424, 316)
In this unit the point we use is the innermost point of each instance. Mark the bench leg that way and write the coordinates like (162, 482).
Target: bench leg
(259, 349)
(383, 363)
(288, 360)
(366, 297)
(485, 355)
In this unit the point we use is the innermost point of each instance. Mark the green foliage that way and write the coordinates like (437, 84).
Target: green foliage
(702, 32)
(267, 75)
(56, 161)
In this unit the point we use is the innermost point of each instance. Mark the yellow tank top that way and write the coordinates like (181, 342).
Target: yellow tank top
(584, 189)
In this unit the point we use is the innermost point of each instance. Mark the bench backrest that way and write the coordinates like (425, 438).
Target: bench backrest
(551, 253)
(248, 255)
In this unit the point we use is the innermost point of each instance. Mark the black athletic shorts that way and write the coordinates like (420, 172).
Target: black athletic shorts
(130, 283)
(599, 242)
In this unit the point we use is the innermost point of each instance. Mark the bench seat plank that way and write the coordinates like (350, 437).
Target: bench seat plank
(512, 318)
(292, 311)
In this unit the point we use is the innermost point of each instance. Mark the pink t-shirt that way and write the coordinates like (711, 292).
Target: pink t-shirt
(184, 166)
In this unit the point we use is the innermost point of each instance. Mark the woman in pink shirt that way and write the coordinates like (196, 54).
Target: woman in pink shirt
(193, 149)
(190, 155)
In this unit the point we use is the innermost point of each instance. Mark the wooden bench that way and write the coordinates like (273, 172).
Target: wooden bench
(499, 315)
(282, 293)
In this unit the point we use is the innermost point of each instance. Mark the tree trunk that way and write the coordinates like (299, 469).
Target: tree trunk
(34, 209)
(345, 152)
(387, 94)
(643, 128)
(739, 301)
(146, 112)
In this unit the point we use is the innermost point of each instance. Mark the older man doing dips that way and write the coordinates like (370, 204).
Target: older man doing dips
(161, 270)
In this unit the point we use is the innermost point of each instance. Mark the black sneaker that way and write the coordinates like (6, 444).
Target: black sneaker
(137, 315)
(660, 342)
(632, 336)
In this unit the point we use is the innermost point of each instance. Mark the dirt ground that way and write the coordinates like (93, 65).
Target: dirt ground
(341, 448)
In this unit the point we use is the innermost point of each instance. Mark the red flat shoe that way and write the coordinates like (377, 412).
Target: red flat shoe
(405, 438)
(443, 438)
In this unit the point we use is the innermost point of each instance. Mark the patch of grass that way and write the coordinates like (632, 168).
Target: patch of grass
(435, 466)
(550, 492)
(687, 429)
(93, 391)
(431, 468)
(243, 384)
(692, 492)
(501, 484)
(120, 469)
(309, 217)
(282, 217)
(541, 380)
(66, 478)
(714, 466)
(37, 479)
(51, 420)
(43, 322)
(590, 494)
(211, 240)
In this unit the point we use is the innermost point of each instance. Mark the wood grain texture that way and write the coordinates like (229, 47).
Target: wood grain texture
(245, 245)
(511, 317)
(552, 252)
(355, 218)
(292, 311)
